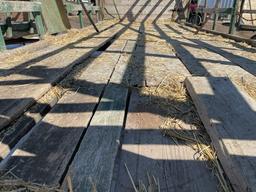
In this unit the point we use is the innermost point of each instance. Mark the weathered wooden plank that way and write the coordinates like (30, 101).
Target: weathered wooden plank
(19, 6)
(9, 65)
(203, 62)
(30, 54)
(237, 56)
(153, 62)
(42, 155)
(67, 121)
(146, 151)
(37, 79)
(123, 71)
(94, 162)
(228, 115)
(23, 125)
(95, 74)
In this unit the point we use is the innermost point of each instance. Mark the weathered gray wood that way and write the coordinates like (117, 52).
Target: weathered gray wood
(204, 62)
(10, 65)
(96, 74)
(94, 162)
(153, 62)
(235, 55)
(122, 72)
(19, 6)
(23, 125)
(42, 156)
(145, 150)
(38, 79)
(229, 116)
(57, 135)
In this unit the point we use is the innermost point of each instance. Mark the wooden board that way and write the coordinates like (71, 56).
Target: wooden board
(23, 125)
(203, 62)
(100, 145)
(145, 150)
(55, 16)
(10, 64)
(235, 55)
(94, 162)
(42, 156)
(122, 72)
(228, 115)
(57, 135)
(153, 62)
(11, 6)
(38, 77)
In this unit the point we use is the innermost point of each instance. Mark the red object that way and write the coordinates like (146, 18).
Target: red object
(192, 7)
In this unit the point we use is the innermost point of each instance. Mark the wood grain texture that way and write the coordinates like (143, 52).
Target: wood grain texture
(94, 162)
(237, 56)
(59, 133)
(38, 78)
(228, 115)
(153, 62)
(42, 155)
(145, 150)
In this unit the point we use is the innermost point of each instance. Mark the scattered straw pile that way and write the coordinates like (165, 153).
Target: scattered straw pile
(182, 120)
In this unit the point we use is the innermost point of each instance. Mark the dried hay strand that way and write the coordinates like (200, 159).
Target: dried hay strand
(248, 87)
(21, 186)
(184, 125)
(55, 92)
(152, 186)
(70, 37)
(73, 35)
(11, 183)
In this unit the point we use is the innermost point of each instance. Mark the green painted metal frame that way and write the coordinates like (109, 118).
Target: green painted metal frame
(20, 6)
(2, 42)
(75, 7)
(216, 11)
(233, 17)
